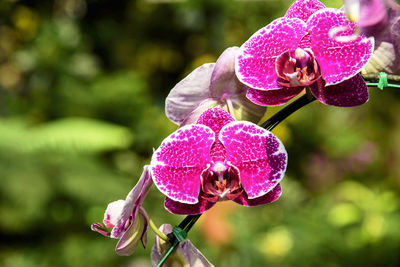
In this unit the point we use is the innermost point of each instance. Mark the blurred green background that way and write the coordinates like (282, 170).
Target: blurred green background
(82, 90)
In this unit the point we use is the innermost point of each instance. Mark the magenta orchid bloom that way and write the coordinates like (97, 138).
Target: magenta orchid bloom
(215, 159)
(127, 219)
(372, 16)
(300, 50)
(186, 254)
(380, 19)
(211, 85)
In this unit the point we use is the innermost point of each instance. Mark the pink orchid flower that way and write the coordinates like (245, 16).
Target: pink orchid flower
(127, 219)
(212, 85)
(300, 50)
(372, 16)
(215, 159)
(186, 254)
(381, 20)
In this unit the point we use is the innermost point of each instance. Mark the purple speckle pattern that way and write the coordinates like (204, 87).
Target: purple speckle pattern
(179, 208)
(303, 9)
(255, 62)
(216, 118)
(269, 197)
(177, 164)
(349, 93)
(338, 60)
(273, 97)
(260, 156)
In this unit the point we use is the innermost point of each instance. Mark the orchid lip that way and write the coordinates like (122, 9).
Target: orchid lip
(221, 181)
(297, 68)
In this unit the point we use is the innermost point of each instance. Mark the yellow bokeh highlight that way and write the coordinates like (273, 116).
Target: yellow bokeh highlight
(276, 243)
(373, 228)
(26, 22)
(344, 214)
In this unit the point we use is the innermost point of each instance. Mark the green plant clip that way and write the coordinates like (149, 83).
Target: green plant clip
(179, 233)
(383, 82)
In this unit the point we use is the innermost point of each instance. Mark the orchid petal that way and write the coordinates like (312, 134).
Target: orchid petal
(215, 118)
(194, 115)
(260, 156)
(255, 63)
(386, 58)
(303, 9)
(349, 93)
(134, 199)
(113, 213)
(179, 208)
(131, 237)
(246, 110)
(193, 256)
(395, 21)
(373, 17)
(273, 97)
(98, 227)
(189, 93)
(225, 86)
(269, 197)
(223, 79)
(177, 164)
(338, 60)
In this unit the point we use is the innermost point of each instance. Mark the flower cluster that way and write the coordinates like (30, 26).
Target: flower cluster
(219, 153)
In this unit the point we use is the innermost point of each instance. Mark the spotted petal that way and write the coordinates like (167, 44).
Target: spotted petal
(349, 93)
(179, 208)
(260, 156)
(269, 197)
(177, 164)
(303, 9)
(215, 118)
(338, 60)
(255, 62)
(273, 97)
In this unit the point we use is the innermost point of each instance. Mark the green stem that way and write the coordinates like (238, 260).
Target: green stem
(375, 77)
(185, 225)
(288, 110)
(155, 228)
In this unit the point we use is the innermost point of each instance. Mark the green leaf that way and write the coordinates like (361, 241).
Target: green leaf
(72, 134)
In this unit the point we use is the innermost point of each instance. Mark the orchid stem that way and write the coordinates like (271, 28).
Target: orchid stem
(375, 77)
(185, 225)
(154, 227)
(288, 110)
